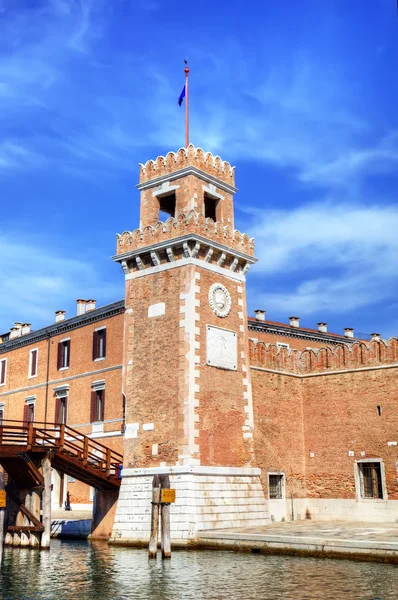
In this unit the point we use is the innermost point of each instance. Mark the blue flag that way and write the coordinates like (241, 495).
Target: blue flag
(182, 96)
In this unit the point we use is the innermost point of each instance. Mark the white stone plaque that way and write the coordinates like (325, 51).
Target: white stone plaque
(221, 348)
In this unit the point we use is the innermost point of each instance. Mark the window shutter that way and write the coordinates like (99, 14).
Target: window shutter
(3, 371)
(93, 406)
(104, 341)
(59, 357)
(68, 355)
(25, 415)
(103, 405)
(57, 417)
(95, 345)
(34, 363)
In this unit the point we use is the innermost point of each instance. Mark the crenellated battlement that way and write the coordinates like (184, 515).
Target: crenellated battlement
(182, 225)
(343, 357)
(188, 157)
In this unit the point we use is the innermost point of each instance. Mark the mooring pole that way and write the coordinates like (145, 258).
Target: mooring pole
(153, 542)
(45, 536)
(165, 514)
(2, 512)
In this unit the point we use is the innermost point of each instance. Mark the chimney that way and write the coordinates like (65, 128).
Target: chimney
(349, 332)
(260, 314)
(322, 327)
(25, 328)
(375, 337)
(90, 305)
(294, 321)
(80, 306)
(60, 315)
(14, 332)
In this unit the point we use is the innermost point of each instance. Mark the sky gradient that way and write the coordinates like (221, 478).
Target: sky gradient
(301, 96)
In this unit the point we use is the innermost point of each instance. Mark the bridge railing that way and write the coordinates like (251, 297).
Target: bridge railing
(62, 438)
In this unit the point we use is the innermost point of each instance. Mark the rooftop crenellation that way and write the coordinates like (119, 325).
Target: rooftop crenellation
(344, 357)
(187, 157)
(183, 224)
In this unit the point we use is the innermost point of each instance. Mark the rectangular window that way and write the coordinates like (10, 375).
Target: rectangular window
(99, 344)
(210, 205)
(371, 480)
(61, 406)
(97, 405)
(63, 354)
(33, 362)
(275, 486)
(1, 414)
(29, 413)
(167, 206)
(3, 371)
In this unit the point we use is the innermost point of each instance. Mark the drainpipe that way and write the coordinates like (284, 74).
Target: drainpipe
(47, 374)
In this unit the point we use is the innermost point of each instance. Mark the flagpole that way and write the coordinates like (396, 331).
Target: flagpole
(186, 70)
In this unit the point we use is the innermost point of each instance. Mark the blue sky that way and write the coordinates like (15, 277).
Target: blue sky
(301, 96)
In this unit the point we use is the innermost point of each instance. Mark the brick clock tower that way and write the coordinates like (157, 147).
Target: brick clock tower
(186, 376)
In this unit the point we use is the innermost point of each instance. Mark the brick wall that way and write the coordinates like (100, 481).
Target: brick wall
(279, 429)
(321, 416)
(152, 385)
(80, 375)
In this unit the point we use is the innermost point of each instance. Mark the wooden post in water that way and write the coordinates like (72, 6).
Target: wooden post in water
(18, 519)
(45, 536)
(153, 542)
(2, 513)
(25, 522)
(34, 538)
(165, 515)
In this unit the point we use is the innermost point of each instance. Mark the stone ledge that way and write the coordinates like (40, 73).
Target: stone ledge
(193, 470)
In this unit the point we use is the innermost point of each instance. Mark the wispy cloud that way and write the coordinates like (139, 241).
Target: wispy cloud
(331, 257)
(37, 280)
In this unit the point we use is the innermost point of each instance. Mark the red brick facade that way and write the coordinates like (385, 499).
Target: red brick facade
(77, 379)
(308, 406)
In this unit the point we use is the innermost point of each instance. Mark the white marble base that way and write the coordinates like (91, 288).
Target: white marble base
(335, 509)
(207, 498)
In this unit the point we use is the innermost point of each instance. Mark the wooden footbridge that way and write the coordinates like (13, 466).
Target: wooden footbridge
(27, 453)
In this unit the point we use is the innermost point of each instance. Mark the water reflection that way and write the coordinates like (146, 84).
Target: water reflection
(78, 570)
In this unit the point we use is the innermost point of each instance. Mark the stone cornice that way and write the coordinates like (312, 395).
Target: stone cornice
(92, 316)
(324, 373)
(179, 241)
(190, 170)
(190, 248)
(297, 333)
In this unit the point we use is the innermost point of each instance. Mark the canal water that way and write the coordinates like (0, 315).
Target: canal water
(83, 571)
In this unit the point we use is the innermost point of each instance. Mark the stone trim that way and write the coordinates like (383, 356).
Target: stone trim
(190, 170)
(248, 427)
(104, 434)
(195, 470)
(321, 374)
(39, 385)
(187, 261)
(190, 317)
(89, 424)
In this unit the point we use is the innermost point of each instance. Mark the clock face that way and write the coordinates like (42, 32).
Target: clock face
(220, 300)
